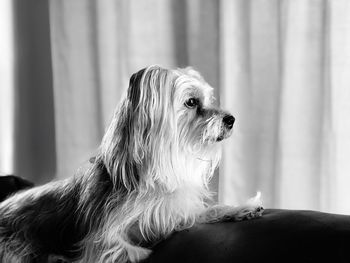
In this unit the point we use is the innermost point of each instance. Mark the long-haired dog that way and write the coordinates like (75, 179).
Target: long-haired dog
(150, 178)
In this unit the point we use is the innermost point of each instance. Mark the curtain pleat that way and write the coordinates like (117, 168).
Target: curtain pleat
(283, 76)
(281, 67)
(339, 126)
(34, 147)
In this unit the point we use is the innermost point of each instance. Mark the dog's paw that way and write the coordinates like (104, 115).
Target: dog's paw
(238, 213)
(249, 213)
(252, 209)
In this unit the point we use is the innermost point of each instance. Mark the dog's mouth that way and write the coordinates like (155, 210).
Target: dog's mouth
(225, 133)
(220, 138)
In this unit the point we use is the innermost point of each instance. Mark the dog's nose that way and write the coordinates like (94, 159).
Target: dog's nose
(228, 121)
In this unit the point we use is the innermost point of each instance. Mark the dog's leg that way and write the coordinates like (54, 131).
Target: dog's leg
(220, 213)
(217, 213)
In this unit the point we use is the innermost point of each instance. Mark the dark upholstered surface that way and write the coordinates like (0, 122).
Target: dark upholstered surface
(279, 236)
(10, 184)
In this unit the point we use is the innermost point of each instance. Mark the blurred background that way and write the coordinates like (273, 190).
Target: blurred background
(281, 67)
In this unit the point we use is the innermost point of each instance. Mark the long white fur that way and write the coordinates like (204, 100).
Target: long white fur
(161, 156)
(175, 167)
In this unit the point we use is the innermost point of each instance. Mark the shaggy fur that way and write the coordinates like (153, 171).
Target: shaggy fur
(150, 178)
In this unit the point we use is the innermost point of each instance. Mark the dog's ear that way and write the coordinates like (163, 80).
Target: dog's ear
(155, 130)
(117, 143)
(134, 90)
(150, 95)
(123, 148)
(139, 137)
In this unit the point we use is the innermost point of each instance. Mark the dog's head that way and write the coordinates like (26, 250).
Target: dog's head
(166, 131)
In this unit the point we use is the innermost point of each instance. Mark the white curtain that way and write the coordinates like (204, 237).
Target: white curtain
(286, 75)
(282, 67)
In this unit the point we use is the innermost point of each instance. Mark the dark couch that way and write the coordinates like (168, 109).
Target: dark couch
(10, 184)
(279, 236)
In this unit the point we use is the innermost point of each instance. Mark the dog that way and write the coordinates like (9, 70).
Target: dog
(149, 179)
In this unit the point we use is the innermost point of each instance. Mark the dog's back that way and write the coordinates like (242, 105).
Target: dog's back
(39, 221)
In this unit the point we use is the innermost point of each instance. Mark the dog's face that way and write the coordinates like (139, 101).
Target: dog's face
(199, 122)
(166, 127)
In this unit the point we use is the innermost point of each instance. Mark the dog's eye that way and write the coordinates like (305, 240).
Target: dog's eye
(191, 103)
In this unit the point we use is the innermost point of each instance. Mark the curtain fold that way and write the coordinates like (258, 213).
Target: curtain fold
(281, 67)
(27, 122)
(300, 130)
(339, 126)
(6, 87)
